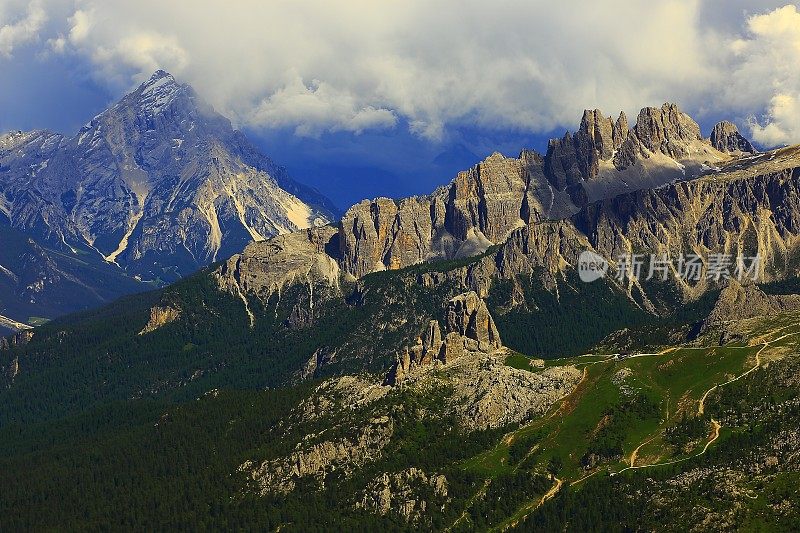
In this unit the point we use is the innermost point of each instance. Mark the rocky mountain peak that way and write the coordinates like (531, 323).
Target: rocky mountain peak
(160, 75)
(159, 91)
(469, 329)
(158, 184)
(578, 157)
(725, 137)
(622, 129)
(666, 129)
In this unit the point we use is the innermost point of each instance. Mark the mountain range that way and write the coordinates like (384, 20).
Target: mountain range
(149, 190)
(437, 362)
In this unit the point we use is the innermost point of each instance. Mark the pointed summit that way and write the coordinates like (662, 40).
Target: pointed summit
(725, 137)
(159, 78)
(160, 73)
(159, 91)
(667, 130)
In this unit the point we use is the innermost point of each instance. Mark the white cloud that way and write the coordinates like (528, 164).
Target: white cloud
(318, 107)
(767, 73)
(22, 30)
(140, 53)
(529, 65)
(80, 25)
(783, 122)
(57, 45)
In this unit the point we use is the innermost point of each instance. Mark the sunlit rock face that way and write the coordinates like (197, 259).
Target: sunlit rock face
(486, 204)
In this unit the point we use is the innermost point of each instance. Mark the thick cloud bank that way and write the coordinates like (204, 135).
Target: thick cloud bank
(317, 66)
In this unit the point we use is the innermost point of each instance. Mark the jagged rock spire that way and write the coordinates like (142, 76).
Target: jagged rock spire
(666, 129)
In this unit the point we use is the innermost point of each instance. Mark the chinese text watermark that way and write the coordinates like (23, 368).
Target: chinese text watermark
(688, 267)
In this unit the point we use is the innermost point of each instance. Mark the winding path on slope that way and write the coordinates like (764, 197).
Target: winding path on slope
(716, 426)
(715, 433)
(507, 440)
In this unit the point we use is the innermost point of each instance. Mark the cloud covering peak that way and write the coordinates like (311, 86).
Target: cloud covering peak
(316, 66)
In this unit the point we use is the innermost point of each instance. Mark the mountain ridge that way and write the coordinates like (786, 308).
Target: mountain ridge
(157, 186)
(358, 368)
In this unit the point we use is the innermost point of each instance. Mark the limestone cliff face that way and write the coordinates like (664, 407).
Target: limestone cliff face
(746, 207)
(153, 188)
(667, 130)
(577, 156)
(548, 247)
(384, 234)
(479, 208)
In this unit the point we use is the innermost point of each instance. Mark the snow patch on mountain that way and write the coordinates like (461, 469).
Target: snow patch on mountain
(159, 91)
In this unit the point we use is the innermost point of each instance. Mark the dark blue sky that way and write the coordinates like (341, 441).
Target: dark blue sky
(348, 167)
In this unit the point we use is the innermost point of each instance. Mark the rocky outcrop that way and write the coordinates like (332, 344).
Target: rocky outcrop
(408, 494)
(469, 328)
(742, 301)
(11, 371)
(265, 268)
(725, 137)
(468, 316)
(280, 476)
(160, 316)
(486, 393)
(483, 392)
(489, 394)
(339, 397)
